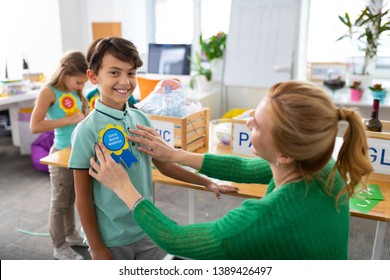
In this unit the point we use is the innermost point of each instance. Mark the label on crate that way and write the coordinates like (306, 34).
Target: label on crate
(166, 130)
(241, 140)
(379, 151)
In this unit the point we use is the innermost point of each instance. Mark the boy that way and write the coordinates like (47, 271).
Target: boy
(109, 226)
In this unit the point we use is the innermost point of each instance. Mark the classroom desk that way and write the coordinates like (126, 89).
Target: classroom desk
(61, 158)
(13, 103)
(380, 213)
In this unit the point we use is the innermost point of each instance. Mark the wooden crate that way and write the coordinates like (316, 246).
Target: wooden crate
(190, 132)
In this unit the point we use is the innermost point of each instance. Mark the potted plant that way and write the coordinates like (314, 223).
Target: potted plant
(213, 49)
(201, 74)
(378, 92)
(365, 32)
(356, 91)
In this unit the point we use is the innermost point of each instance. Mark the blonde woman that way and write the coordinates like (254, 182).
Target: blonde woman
(305, 212)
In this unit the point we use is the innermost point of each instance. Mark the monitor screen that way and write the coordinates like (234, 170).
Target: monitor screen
(169, 59)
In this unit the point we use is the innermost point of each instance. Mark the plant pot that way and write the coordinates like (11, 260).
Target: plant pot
(356, 94)
(379, 94)
(202, 84)
(216, 67)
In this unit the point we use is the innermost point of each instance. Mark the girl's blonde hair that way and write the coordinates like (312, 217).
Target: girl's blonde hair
(72, 63)
(305, 125)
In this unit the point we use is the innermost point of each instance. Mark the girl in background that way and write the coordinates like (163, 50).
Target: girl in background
(62, 101)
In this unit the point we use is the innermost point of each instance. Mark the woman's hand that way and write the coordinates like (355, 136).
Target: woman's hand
(113, 176)
(108, 172)
(154, 144)
(156, 147)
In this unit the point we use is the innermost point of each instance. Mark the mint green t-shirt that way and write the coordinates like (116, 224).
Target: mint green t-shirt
(66, 104)
(115, 221)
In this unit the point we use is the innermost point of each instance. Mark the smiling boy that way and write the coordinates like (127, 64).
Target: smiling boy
(112, 66)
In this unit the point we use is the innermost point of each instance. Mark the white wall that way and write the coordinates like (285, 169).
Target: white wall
(27, 29)
(74, 25)
(77, 17)
(68, 25)
(135, 27)
(242, 97)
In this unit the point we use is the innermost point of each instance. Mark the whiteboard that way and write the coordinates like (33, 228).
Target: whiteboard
(261, 42)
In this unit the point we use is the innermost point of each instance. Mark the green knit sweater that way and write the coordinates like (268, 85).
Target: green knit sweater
(296, 221)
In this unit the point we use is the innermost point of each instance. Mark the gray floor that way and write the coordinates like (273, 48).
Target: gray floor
(24, 206)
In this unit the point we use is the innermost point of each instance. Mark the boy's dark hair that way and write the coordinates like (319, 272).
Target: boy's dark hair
(120, 48)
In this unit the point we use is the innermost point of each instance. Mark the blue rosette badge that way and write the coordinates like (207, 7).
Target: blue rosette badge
(114, 139)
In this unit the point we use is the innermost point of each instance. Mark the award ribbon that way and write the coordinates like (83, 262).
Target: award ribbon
(92, 102)
(114, 139)
(68, 104)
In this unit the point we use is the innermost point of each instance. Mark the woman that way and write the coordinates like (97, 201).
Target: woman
(305, 213)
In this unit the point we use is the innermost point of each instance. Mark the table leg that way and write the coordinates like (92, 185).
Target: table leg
(379, 240)
(13, 115)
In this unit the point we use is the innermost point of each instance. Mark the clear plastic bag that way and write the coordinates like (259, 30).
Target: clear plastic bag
(169, 98)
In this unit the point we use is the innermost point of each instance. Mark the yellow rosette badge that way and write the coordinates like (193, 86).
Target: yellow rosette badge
(92, 102)
(68, 104)
(114, 139)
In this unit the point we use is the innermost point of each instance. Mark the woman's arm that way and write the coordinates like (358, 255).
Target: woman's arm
(177, 172)
(158, 149)
(112, 175)
(189, 238)
(195, 241)
(225, 167)
(226, 238)
(39, 123)
(85, 208)
(237, 169)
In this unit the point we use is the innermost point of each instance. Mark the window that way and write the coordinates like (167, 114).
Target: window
(325, 28)
(175, 19)
(215, 17)
(174, 23)
(27, 33)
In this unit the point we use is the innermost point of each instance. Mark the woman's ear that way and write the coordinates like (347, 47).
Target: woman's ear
(285, 160)
(92, 77)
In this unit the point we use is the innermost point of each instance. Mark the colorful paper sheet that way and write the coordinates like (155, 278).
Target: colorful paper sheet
(365, 200)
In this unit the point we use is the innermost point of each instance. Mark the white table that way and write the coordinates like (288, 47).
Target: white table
(14, 103)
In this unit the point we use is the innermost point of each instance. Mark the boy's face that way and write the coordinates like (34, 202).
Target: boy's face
(116, 81)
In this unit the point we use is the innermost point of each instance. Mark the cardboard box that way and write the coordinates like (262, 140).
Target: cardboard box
(188, 133)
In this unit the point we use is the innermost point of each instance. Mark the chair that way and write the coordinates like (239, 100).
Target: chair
(146, 86)
(41, 148)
